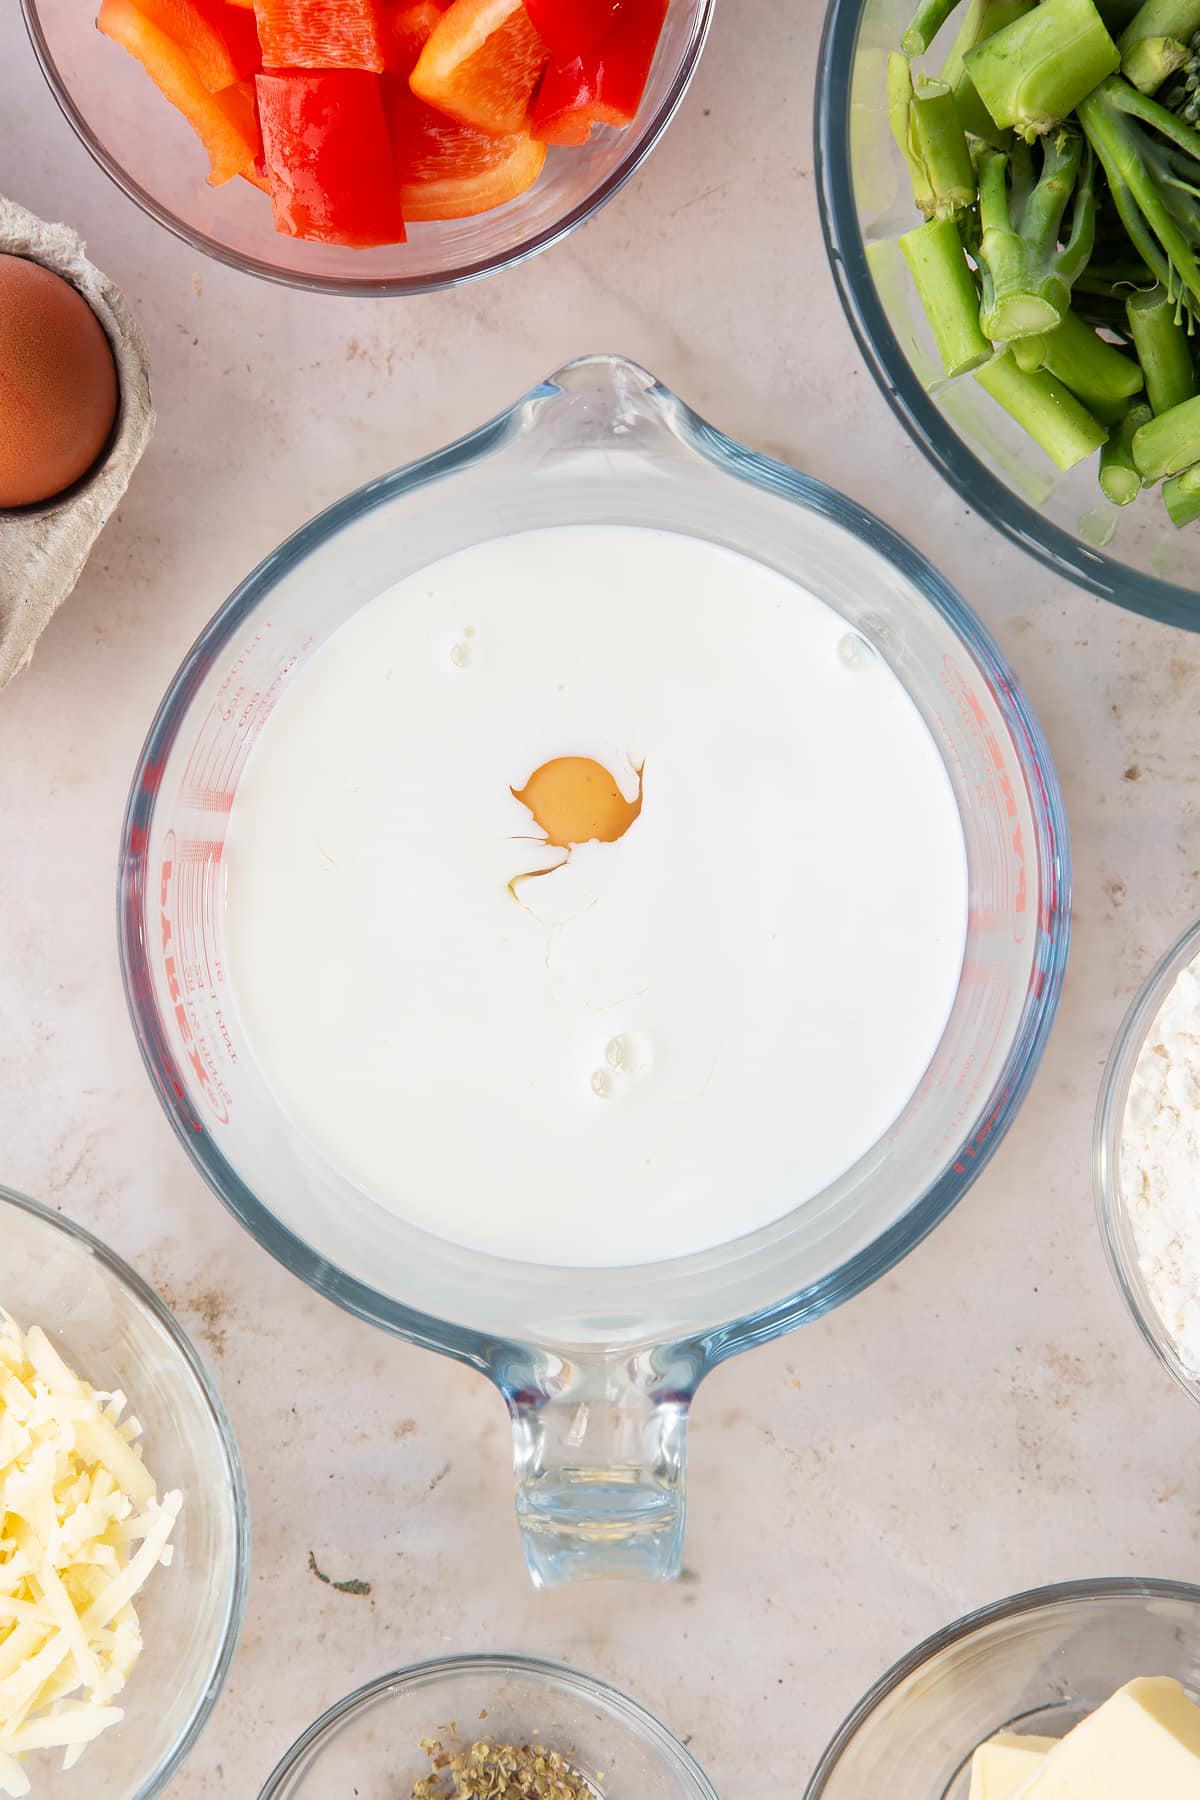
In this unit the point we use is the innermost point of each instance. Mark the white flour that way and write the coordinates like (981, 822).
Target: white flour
(1160, 1163)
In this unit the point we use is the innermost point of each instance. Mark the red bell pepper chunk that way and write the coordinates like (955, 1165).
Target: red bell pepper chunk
(570, 27)
(481, 65)
(224, 122)
(447, 170)
(218, 40)
(322, 34)
(327, 158)
(410, 24)
(604, 85)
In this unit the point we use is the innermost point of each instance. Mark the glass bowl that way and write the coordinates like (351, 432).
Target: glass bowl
(597, 1365)
(116, 1333)
(1131, 555)
(1038, 1663)
(1116, 1224)
(151, 152)
(369, 1743)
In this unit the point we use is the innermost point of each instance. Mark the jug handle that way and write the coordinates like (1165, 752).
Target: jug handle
(600, 1457)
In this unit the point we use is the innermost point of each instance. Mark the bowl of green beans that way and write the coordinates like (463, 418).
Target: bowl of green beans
(1010, 194)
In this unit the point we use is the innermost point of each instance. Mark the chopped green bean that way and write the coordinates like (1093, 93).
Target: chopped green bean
(1169, 442)
(1181, 497)
(1163, 348)
(1044, 408)
(1119, 478)
(1033, 74)
(946, 289)
(1155, 42)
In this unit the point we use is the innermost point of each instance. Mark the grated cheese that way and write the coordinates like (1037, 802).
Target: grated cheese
(81, 1529)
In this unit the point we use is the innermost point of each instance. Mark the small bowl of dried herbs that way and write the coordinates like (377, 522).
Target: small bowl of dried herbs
(488, 1728)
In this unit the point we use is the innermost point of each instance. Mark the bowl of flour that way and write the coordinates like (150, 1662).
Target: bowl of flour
(1147, 1160)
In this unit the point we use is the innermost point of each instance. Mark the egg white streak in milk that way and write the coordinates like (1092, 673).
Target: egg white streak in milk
(676, 1037)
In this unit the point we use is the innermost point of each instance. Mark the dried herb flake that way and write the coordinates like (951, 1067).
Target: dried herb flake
(490, 1771)
(339, 1587)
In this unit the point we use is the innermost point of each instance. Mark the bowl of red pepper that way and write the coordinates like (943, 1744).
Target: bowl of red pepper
(369, 146)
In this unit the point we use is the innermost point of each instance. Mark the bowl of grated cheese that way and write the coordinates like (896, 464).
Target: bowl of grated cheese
(124, 1528)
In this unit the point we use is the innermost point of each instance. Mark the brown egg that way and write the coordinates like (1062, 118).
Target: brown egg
(58, 384)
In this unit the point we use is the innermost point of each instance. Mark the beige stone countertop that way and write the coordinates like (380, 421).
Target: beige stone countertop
(985, 1418)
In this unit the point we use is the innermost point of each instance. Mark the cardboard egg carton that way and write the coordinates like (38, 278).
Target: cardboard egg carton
(43, 549)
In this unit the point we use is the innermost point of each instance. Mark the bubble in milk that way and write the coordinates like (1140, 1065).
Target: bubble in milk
(459, 655)
(630, 1052)
(854, 651)
(602, 1084)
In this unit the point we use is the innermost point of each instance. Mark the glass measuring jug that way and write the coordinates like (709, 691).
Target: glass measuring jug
(597, 1365)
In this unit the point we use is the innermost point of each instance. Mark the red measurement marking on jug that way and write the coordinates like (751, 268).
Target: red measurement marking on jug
(979, 1019)
(187, 968)
(243, 703)
(214, 800)
(1001, 899)
(190, 887)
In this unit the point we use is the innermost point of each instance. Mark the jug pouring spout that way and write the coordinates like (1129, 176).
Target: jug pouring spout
(600, 1456)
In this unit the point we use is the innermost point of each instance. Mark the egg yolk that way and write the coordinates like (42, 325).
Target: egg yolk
(574, 800)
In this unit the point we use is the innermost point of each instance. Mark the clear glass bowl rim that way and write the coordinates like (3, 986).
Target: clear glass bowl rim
(128, 1278)
(950, 454)
(997, 1612)
(486, 1352)
(557, 1675)
(1114, 1090)
(391, 287)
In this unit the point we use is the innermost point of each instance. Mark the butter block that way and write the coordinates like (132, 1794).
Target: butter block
(1143, 1744)
(1001, 1767)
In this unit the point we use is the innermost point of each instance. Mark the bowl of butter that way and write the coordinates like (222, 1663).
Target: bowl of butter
(1085, 1691)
